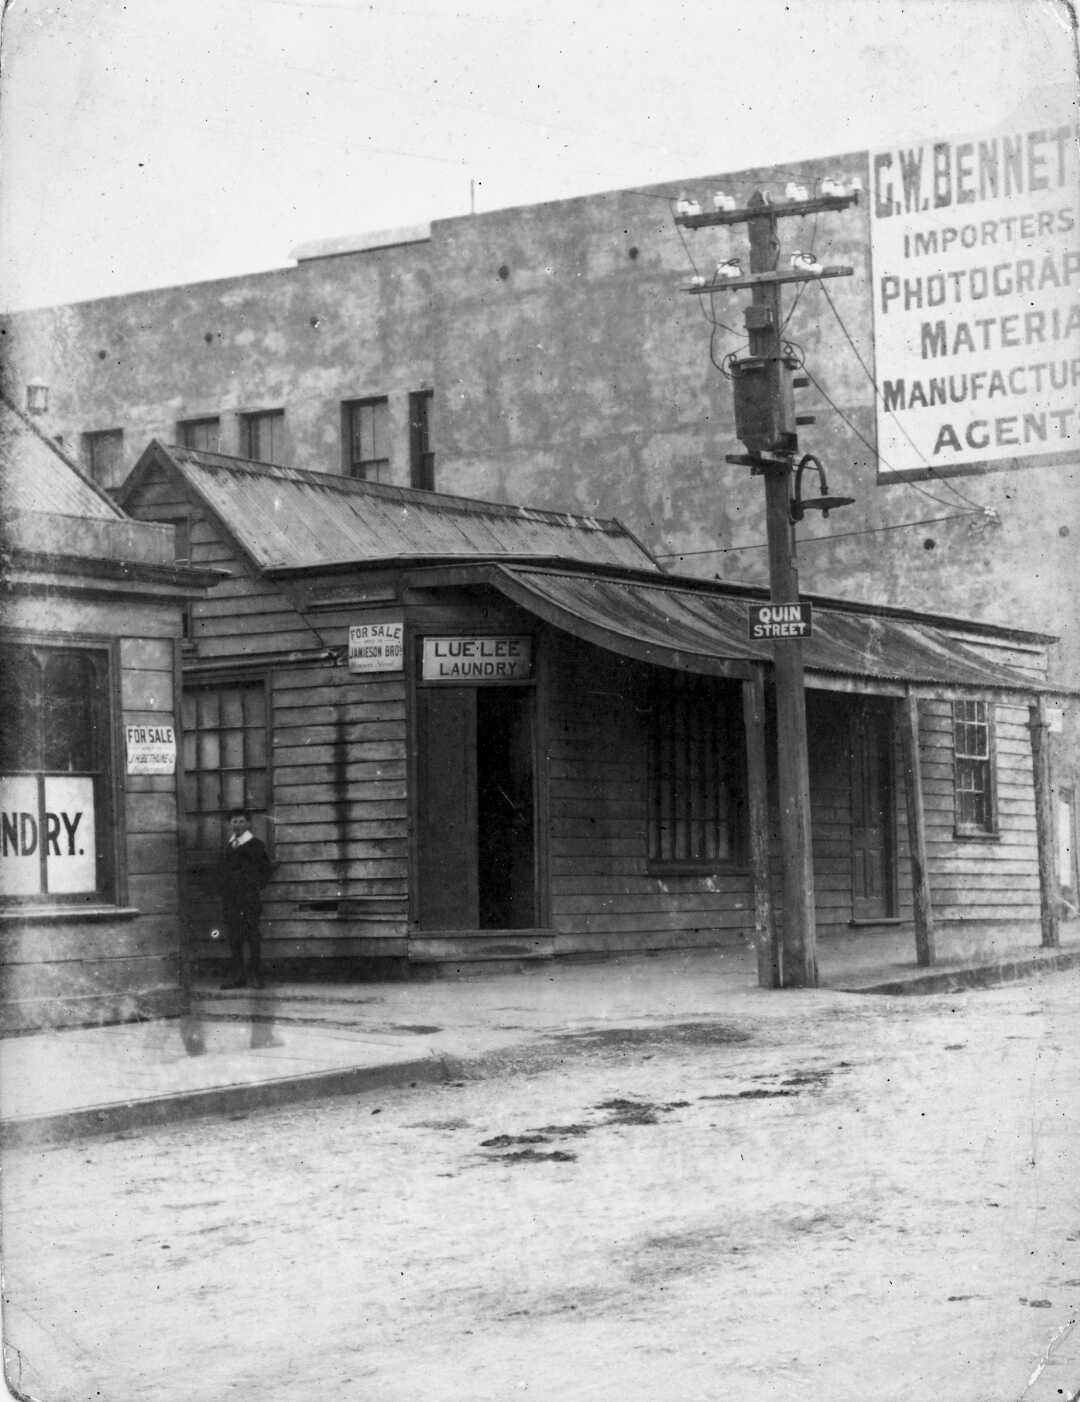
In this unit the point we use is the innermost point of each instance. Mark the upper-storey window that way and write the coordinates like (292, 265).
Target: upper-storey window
(695, 774)
(262, 436)
(55, 784)
(973, 767)
(421, 457)
(366, 438)
(103, 454)
(203, 435)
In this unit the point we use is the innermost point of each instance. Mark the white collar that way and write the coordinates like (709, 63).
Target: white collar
(239, 841)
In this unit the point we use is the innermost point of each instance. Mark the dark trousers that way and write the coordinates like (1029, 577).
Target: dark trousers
(245, 939)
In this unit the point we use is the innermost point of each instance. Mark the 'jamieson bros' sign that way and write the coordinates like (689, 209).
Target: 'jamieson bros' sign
(976, 275)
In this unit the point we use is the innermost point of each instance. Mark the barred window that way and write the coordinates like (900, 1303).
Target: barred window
(224, 756)
(696, 767)
(55, 781)
(973, 772)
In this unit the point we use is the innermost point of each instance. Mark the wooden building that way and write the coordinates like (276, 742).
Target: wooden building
(473, 732)
(91, 609)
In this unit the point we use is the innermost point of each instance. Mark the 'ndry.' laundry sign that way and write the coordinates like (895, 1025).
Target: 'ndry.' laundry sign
(976, 295)
(48, 843)
(491, 659)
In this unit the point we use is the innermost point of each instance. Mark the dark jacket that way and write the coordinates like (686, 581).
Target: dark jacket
(245, 870)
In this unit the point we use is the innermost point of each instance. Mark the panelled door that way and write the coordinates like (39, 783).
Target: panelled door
(873, 825)
(475, 848)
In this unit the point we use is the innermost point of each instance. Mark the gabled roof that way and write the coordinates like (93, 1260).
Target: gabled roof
(37, 476)
(287, 518)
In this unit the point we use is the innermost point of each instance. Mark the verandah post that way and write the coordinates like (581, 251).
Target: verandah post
(907, 716)
(1049, 896)
(757, 803)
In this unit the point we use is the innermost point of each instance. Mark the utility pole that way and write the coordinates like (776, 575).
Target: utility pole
(766, 422)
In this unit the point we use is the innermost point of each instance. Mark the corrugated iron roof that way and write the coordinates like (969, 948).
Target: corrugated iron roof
(691, 626)
(38, 477)
(289, 518)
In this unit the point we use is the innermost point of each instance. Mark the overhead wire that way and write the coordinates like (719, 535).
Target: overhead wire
(821, 539)
(873, 447)
(962, 496)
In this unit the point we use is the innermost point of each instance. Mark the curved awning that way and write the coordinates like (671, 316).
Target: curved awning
(700, 627)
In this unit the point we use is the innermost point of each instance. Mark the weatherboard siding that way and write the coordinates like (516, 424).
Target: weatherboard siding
(604, 898)
(973, 878)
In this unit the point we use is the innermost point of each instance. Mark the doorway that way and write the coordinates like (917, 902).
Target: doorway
(873, 812)
(475, 820)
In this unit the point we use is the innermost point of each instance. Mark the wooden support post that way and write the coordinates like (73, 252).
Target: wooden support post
(757, 801)
(908, 726)
(1045, 828)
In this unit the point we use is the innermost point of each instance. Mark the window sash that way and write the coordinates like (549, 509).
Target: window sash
(225, 756)
(368, 433)
(103, 452)
(201, 435)
(421, 458)
(264, 436)
(973, 778)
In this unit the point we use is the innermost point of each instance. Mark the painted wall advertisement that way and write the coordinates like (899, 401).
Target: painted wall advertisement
(976, 275)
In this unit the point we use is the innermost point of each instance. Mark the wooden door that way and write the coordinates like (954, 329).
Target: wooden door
(446, 880)
(873, 827)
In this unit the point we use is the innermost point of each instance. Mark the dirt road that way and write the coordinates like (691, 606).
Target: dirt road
(850, 1199)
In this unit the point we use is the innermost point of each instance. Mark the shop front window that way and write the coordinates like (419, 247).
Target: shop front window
(55, 809)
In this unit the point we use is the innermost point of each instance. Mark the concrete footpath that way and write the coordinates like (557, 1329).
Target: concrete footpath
(291, 1042)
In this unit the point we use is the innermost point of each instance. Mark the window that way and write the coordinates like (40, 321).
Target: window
(55, 800)
(224, 756)
(973, 766)
(262, 436)
(102, 455)
(367, 452)
(421, 458)
(202, 435)
(696, 766)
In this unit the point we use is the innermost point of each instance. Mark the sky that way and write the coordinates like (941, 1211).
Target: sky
(148, 143)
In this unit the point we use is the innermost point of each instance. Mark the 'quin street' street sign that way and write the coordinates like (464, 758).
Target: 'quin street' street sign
(778, 621)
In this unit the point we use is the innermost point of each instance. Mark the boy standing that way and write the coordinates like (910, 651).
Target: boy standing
(245, 870)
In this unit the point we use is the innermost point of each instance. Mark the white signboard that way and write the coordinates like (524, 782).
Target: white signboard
(151, 749)
(69, 836)
(779, 620)
(376, 647)
(62, 830)
(20, 854)
(976, 283)
(477, 659)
